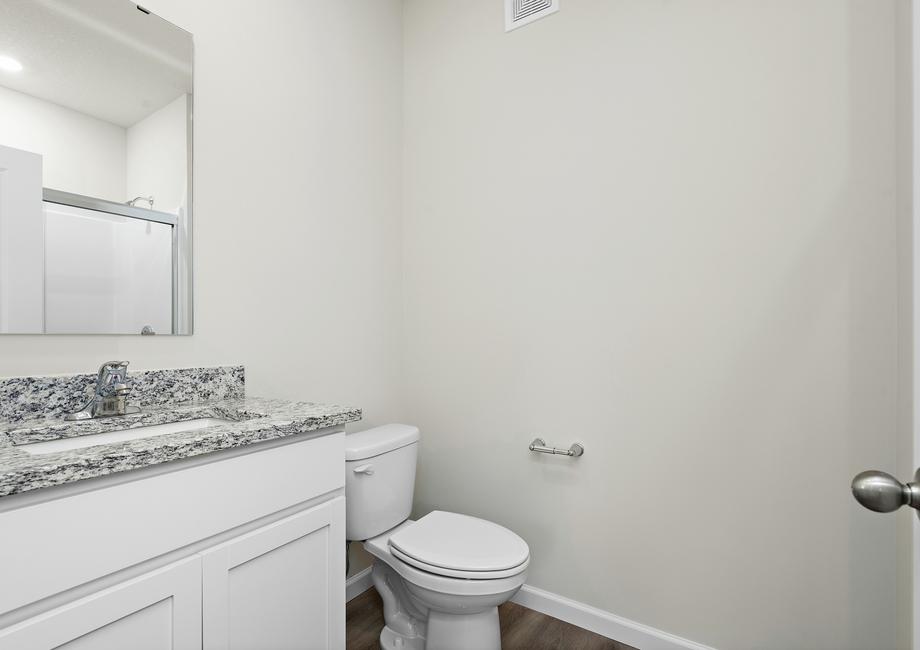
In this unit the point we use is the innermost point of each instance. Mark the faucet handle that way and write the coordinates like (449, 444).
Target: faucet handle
(112, 375)
(112, 368)
(110, 383)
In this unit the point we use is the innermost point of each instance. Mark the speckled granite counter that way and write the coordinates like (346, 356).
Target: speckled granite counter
(165, 397)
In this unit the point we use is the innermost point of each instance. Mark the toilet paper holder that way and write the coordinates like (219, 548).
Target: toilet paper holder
(539, 445)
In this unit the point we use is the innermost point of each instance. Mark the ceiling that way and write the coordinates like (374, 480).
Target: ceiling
(105, 58)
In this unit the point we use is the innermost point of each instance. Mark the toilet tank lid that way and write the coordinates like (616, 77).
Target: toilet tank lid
(379, 440)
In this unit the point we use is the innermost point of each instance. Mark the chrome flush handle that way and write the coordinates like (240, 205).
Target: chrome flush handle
(882, 492)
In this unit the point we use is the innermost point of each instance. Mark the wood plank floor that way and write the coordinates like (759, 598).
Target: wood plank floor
(521, 628)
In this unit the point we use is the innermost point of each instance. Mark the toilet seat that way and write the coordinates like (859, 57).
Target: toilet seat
(454, 573)
(380, 548)
(460, 546)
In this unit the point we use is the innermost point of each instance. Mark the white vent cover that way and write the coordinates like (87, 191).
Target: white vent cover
(520, 12)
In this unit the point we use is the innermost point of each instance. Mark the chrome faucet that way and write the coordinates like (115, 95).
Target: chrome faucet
(111, 394)
(147, 199)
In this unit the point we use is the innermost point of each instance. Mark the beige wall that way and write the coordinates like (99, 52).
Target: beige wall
(666, 230)
(297, 206)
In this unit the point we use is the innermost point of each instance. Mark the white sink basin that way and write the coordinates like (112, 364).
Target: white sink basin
(79, 442)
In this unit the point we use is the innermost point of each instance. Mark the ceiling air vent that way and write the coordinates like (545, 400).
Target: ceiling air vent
(520, 12)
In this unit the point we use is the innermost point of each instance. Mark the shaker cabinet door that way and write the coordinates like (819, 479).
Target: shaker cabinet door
(160, 610)
(281, 586)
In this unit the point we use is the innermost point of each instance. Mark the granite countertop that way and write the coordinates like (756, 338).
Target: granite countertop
(252, 420)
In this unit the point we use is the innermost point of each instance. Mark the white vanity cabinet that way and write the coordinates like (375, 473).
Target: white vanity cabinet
(237, 549)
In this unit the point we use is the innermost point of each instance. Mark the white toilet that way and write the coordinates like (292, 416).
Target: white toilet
(442, 577)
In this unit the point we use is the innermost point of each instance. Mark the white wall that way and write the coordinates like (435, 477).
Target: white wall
(719, 333)
(666, 230)
(297, 206)
(89, 156)
(157, 155)
(80, 154)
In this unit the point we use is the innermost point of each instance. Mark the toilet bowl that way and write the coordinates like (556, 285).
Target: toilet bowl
(442, 577)
(451, 604)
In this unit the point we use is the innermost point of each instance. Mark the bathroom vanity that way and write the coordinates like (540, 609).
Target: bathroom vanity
(195, 516)
(226, 535)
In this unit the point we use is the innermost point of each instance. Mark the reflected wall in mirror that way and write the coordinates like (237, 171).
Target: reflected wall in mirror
(95, 169)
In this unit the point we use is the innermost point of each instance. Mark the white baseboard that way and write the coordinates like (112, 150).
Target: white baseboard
(601, 622)
(358, 584)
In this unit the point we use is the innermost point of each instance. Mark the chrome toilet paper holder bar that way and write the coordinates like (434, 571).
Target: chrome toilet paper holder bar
(539, 445)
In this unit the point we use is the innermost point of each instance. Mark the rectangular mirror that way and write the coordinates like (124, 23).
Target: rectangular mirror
(95, 169)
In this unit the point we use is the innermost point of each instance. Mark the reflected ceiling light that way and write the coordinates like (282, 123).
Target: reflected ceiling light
(9, 64)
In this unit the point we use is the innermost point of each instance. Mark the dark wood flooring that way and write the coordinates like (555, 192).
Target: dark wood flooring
(521, 628)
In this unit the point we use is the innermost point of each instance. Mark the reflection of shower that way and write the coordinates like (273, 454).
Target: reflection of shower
(148, 199)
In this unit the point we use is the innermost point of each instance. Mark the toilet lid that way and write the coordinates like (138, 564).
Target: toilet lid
(459, 543)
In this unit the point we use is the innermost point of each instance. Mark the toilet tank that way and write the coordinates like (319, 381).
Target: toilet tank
(379, 479)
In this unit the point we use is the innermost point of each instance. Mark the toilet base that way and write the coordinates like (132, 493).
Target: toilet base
(412, 625)
(480, 631)
(450, 632)
(390, 640)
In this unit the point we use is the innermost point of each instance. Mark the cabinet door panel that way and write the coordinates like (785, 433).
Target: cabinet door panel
(281, 586)
(158, 610)
(146, 629)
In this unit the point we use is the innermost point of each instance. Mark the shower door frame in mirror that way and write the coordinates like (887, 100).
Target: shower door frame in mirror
(101, 207)
(129, 73)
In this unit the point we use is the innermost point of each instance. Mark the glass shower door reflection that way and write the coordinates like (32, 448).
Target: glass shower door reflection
(106, 273)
